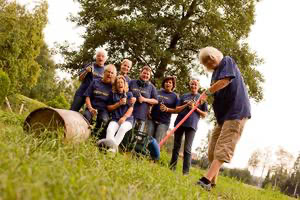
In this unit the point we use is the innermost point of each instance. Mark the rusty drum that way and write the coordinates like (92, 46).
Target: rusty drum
(75, 126)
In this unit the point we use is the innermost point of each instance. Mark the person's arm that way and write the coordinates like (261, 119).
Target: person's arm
(84, 73)
(114, 106)
(89, 106)
(202, 113)
(126, 115)
(164, 108)
(147, 100)
(180, 108)
(220, 84)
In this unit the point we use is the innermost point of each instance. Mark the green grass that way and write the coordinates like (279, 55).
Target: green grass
(45, 168)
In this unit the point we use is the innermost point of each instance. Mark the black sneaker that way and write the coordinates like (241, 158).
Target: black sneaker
(204, 183)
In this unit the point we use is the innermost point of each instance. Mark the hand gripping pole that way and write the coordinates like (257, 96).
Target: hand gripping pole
(181, 122)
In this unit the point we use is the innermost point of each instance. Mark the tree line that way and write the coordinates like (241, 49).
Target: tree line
(26, 64)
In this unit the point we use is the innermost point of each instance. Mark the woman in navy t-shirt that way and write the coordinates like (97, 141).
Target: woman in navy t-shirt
(189, 127)
(125, 69)
(121, 111)
(161, 113)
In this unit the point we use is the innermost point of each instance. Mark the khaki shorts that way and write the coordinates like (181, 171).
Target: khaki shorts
(224, 139)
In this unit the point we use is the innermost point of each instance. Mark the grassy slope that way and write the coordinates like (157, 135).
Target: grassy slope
(44, 168)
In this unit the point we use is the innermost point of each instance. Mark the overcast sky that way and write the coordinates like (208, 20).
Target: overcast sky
(275, 37)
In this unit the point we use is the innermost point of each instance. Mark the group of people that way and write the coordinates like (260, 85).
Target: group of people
(121, 103)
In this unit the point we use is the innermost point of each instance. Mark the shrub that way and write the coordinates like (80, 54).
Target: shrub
(59, 102)
(5, 83)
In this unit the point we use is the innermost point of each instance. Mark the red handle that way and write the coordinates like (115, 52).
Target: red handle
(179, 124)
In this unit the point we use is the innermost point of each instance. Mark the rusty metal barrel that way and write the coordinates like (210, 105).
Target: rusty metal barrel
(75, 126)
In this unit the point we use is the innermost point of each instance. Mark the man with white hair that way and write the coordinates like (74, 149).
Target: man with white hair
(87, 75)
(231, 106)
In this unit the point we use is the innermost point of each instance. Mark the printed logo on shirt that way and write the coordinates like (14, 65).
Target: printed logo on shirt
(100, 93)
(163, 97)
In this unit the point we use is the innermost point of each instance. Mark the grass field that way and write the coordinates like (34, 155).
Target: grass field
(45, 168)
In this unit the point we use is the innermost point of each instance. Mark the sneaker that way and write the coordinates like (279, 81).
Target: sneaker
(213, 185)
(203, 184)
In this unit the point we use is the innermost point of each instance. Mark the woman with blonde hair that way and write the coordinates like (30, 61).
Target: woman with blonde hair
(125, 69)
(121, 111)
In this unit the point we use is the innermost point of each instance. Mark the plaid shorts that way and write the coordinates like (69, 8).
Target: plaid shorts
(224, 139)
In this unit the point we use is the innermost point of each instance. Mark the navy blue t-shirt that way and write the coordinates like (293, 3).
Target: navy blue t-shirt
(115, 97)
(128, 79)
(96, 73)
(98, 92)
(147, 90)
(231, 102)
(170, 99)
(192, 120)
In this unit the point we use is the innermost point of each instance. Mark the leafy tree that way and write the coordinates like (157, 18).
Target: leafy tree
(48, 85)
(21, 37)
(266, 159)
(254, 160)
(296, 175)
(167, 35)
(202, 152)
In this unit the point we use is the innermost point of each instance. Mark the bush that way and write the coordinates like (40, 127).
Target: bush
(59, 102)
(5, 83)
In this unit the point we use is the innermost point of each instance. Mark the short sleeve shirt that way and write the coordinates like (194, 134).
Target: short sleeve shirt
(193, 119)
(171, 100)
(231, 102)
(98, 92)
(148, 90)
(96, 73)
(116, 114)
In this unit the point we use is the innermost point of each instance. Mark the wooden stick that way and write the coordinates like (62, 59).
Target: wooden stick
(8, 104)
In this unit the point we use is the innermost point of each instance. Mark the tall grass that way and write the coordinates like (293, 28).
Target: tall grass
(45, 168)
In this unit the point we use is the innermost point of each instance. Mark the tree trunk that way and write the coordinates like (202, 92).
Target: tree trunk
(296, 187)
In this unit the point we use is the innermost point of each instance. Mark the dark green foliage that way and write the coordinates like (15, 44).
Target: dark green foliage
(21, 37)
(167, 36)
(59, 102)
(240, 174)
(48, 86)
(5, 83)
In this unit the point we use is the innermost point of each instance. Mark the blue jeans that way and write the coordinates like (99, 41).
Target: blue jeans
(157, 130)
(187, 155)
(77, 103)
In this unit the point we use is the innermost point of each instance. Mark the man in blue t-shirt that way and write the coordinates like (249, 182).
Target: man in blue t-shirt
(97, 97)
(145, 94)
(189, 127)
(231, 106)
(87, 75)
